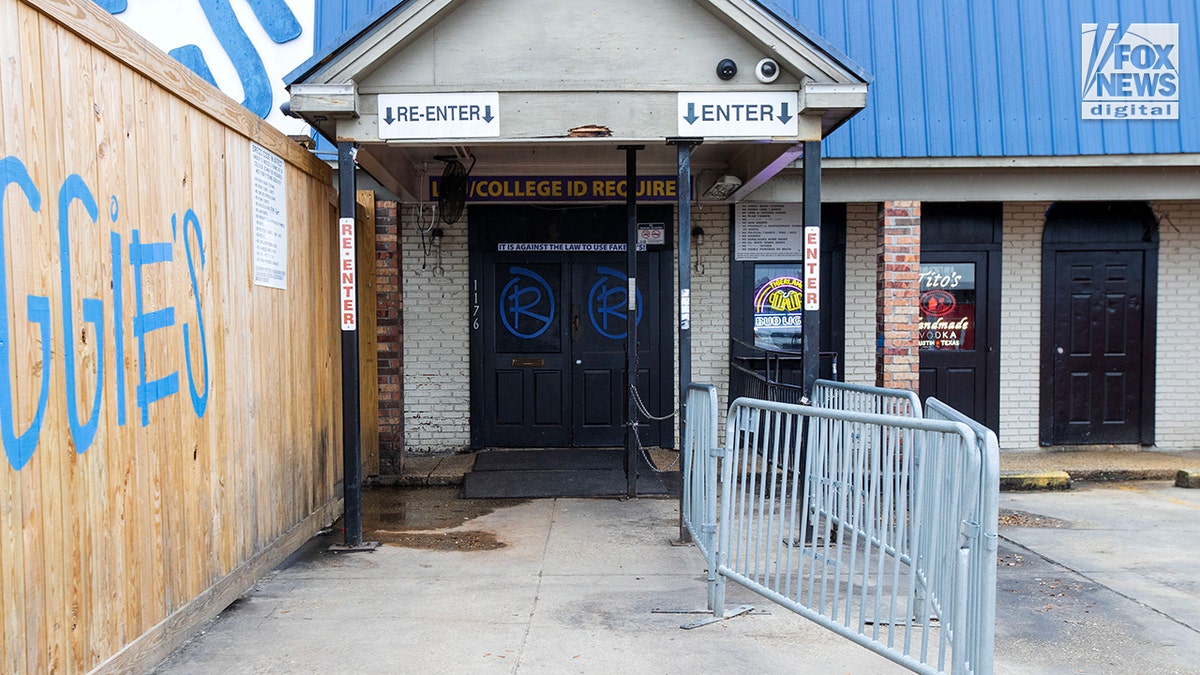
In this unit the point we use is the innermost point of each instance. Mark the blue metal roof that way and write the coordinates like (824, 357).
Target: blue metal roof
(334, 18)
(994, 78)
(956, 78)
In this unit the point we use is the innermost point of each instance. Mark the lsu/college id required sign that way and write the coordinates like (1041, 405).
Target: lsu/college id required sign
(1130, 73)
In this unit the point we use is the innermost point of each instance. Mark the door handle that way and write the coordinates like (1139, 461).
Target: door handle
(575, 322)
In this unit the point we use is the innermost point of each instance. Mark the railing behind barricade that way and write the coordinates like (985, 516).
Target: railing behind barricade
(861, 398)
(857, 528)
(758, 371)
(746, 381)
(981, 537)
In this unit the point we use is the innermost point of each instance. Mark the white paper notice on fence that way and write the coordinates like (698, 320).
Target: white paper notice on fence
(768, 231)
(269, 188)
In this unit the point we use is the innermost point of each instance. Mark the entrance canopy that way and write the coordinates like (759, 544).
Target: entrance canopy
(552, 87)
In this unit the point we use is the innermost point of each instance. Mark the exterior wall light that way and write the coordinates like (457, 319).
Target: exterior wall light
(723, 187)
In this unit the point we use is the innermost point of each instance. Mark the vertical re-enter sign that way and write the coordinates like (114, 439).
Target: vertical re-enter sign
(347, 307)
(812, 269)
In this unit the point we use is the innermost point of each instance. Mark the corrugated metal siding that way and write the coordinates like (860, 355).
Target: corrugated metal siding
(966, 78)
(958, 78)
(335, 17)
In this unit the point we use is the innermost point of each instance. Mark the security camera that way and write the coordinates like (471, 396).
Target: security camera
(726, 69)
(767, 71)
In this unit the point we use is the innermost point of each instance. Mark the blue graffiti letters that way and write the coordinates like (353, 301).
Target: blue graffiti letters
(19, 447)
(192, 224)
(607, 303)
(526, 296)
(144, 323)
(118, 287)
(148, 260)
(83, 433)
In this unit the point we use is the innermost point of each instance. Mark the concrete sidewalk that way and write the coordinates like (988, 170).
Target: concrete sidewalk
(1093, 580)
(546, 586)
(1057, 469)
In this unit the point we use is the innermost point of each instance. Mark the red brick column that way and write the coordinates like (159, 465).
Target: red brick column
(390, 336)
(897, 309)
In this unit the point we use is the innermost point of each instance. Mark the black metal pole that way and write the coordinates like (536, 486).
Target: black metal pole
(348, 308)
(812, 265)
(683, 192)
(631, 311)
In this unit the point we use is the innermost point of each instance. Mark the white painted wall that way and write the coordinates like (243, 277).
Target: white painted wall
(1177, 426)
(172, 24)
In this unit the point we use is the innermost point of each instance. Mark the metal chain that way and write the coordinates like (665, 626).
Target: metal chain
(638, 436)
(645, 411)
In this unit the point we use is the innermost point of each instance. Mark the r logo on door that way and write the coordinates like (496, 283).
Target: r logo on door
(608, 302)
(526, 304)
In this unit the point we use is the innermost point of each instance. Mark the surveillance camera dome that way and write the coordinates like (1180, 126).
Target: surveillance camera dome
(726, 69)
(767, 71)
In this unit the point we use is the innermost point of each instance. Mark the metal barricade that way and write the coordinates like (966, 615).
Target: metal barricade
(698, 506)
(860, 522)
(981, 537)
(842, 396)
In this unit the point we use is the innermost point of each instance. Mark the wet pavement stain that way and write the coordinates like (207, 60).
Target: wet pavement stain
(1013, 518)
(428, 518)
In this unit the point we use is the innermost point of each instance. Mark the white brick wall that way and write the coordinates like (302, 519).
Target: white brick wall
(1020, 324)
(710, 300)
(862, 225)
(437, 397)
(1177, 426)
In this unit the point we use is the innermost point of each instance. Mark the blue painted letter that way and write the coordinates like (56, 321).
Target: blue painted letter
(144, 322)
(20, 447)
(199, 400)
(118, 287)
(74, 189)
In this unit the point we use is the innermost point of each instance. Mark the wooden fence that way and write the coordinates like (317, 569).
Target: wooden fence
(170, 424)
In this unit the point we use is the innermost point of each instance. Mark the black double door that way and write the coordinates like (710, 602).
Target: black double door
(549, 354)
(554, 364)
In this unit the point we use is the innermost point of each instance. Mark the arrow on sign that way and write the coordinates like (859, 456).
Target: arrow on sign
(691, 116)
(487, 113)
(783, 113)
(389, 117)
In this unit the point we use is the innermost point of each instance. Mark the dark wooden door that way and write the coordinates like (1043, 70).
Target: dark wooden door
(527, 368)
(600, 325)
(1097, 347)
(955, 330)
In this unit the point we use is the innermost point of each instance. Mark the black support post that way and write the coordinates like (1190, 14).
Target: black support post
(683, 191)
(812, 218)
(348, 310)
(631, 364)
